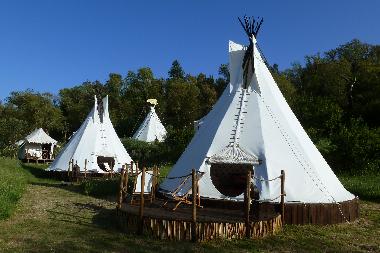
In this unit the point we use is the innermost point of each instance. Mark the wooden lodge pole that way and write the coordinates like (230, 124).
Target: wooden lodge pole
(247, 200)
(85, 168)
(194, 216)
(141, 211)
(120, 199)
(283, 196)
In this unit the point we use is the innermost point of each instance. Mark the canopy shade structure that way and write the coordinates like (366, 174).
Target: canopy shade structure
(38, 136)
(252, 127)
(37, 145)
(151, 129)
(95, 141)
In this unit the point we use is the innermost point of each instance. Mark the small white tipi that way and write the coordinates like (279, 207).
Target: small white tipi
(251, 125)
(95, 141)
(151, 129)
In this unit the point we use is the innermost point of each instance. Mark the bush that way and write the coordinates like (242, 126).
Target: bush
(147, 154)
(101, 187)
(159, 153)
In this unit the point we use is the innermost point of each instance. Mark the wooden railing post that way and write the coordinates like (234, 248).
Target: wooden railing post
(141, 211)
(194, 236)
(125, 181)
(137, 168)
(121, 188)
(85, 168)
(247, 201)
(283, 197)
(154, 184)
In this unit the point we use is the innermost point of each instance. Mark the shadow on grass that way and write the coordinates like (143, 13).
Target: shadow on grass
(37, 170)
(101, 188)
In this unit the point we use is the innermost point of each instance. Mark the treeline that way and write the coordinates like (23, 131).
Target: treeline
(335, 95)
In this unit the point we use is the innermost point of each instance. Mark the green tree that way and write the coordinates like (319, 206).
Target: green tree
(176, 71)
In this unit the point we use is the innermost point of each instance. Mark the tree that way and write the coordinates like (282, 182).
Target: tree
(176, 71)
(76, 102)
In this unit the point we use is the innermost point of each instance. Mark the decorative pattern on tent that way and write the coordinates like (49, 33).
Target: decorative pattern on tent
(233, 154)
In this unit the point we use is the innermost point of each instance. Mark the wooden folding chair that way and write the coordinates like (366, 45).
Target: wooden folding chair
(185, 197)
(148, 185)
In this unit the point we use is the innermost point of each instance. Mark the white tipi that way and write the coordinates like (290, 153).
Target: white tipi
(96, 141)
(252, 125)
(151, 129)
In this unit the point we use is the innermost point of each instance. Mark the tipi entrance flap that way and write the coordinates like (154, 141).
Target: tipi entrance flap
(229, 179)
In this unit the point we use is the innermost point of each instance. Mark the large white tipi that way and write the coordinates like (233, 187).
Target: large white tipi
(151, 129)
(251, 125)
(95, 141)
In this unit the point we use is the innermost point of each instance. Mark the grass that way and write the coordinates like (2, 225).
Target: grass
(367, 187)
(12, 185)
(54, 217)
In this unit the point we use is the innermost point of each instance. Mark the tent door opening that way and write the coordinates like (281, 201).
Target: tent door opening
(106, 163)
(230, 179)
(46, 151)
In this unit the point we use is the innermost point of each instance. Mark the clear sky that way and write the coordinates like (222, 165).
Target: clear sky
(48, 45)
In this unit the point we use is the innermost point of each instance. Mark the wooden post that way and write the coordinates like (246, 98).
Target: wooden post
(120, 199)
(125, 181)
(85, 168)
(194, 215)
(247, 200)
(283, 197)
(141, 211)
(69, 169)
(112, 169)
(154, 182)
(131, 167)
(198, 193)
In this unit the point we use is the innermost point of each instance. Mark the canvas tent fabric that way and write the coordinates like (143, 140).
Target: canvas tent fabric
(32, 145)
(38, 136)
(151, 129)
(259, 121)
(95, 138)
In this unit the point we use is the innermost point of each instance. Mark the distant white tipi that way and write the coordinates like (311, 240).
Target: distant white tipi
(95, 141)
(252, 126)
(151, 129)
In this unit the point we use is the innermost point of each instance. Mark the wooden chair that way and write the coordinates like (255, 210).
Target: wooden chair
(174, 197)
(148, 185)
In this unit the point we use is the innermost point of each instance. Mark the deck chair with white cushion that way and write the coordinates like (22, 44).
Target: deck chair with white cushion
(148, 185)
(175, 197)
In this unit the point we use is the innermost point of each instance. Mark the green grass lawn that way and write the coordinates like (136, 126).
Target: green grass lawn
(13, 183)
(48, 216)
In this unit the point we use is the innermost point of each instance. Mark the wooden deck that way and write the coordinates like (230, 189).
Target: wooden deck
(163, 223)
(33, 160)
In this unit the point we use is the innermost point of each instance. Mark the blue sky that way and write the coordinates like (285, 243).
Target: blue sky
(49, 45)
